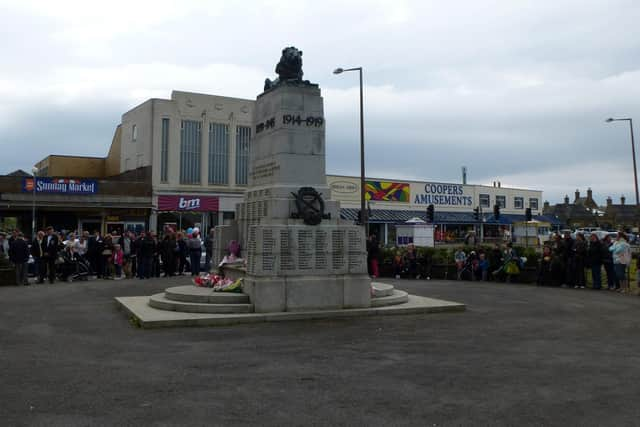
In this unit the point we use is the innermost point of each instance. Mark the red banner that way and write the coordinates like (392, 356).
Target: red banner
(188, 203)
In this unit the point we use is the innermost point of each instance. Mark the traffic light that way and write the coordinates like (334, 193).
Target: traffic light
(430, 213)
(527, 214)
(496, 211)
(476, 214)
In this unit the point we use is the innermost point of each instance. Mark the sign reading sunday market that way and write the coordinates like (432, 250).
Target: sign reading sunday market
(61, 186)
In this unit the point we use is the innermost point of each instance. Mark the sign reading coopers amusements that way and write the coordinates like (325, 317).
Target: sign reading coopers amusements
(60, 185)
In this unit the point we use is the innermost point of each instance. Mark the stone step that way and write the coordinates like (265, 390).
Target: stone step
(160, 302)
(381, 289)
(191, 293)
(398, 297)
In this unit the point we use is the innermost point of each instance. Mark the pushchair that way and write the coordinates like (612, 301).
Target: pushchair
(73, 267)
(469, 269)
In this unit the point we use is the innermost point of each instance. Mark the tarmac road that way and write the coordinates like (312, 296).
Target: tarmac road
(519, 355)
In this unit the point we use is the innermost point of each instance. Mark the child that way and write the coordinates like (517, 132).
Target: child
(397, 264)
(460, 258)
(483, 265)
(117, 259)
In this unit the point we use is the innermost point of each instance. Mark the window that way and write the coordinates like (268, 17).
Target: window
(533, 204)
(243, 135)
(218, 153)
(164, 151)
(501, 201)
(485, 201)
(190, 152)
(518, 202)
(134, 133)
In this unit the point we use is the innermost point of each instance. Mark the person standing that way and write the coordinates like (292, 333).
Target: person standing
(569, 261)
(4, 246)
(208, 247)
(94, 252)
(373, 252)
(37, 252)
(182, 253)
(107, 257)
(147, 249)
(621, 251)
(20, 257)
(607, 263)
(194, 245)
(579, 262)
(594, 258)
(125, 243)
(50, 250)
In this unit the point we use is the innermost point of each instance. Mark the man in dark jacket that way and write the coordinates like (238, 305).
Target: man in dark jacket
(594, 256)
(20, 258)
(50, 250)
(147, 252)
(37, 252)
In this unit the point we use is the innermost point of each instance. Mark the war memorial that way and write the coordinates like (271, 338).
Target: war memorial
(299, 259)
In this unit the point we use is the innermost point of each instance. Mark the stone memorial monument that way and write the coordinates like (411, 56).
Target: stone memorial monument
(302, 260)
(300, 255)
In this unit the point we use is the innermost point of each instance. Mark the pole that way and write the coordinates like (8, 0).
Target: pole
(365, 216)
(633, 154)
(33, 209)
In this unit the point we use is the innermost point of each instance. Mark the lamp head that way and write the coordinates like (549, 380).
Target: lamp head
(609, 120)
(338, 71)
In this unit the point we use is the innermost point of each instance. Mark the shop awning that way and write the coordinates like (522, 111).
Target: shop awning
(388, 216)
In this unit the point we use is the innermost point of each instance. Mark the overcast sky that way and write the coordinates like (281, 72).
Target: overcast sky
(517, 91)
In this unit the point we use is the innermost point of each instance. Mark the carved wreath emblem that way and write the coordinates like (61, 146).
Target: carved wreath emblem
(310, 206)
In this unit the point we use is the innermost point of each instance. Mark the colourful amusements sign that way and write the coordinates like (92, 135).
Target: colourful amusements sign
(60, 186)
(385, 191)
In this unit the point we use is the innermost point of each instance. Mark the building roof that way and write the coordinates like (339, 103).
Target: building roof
(18, 172)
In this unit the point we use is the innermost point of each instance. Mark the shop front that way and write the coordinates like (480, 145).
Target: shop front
(69, 204)
(180, 212)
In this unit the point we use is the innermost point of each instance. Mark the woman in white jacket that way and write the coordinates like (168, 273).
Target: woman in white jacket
(621, 251)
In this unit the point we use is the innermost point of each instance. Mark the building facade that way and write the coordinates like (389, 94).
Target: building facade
(392, 202)
(197, 146)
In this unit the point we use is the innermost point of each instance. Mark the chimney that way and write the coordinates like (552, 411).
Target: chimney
(546, 205)
(609, 201)
(577, 195)
(566, 199)
(494, 183)
(498, 184)
(622, 199)
(589, 194)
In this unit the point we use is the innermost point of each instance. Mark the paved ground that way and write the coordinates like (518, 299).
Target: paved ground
(519, 355)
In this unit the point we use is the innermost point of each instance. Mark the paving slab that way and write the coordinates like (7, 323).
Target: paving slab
(145, 316)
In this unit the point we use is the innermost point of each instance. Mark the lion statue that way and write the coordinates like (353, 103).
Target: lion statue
(289, 69)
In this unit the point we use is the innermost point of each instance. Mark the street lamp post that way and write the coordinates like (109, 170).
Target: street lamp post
(633, 153)
(34, 170)
(364, 213)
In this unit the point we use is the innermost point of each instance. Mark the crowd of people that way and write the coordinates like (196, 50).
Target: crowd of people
(565, 261)
(78, 256)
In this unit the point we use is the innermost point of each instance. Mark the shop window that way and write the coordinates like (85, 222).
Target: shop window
(501, 201)
(243, 136)
(518, 202)
(190, 152)
(533, 204)
(485, 201)
(218, 153)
